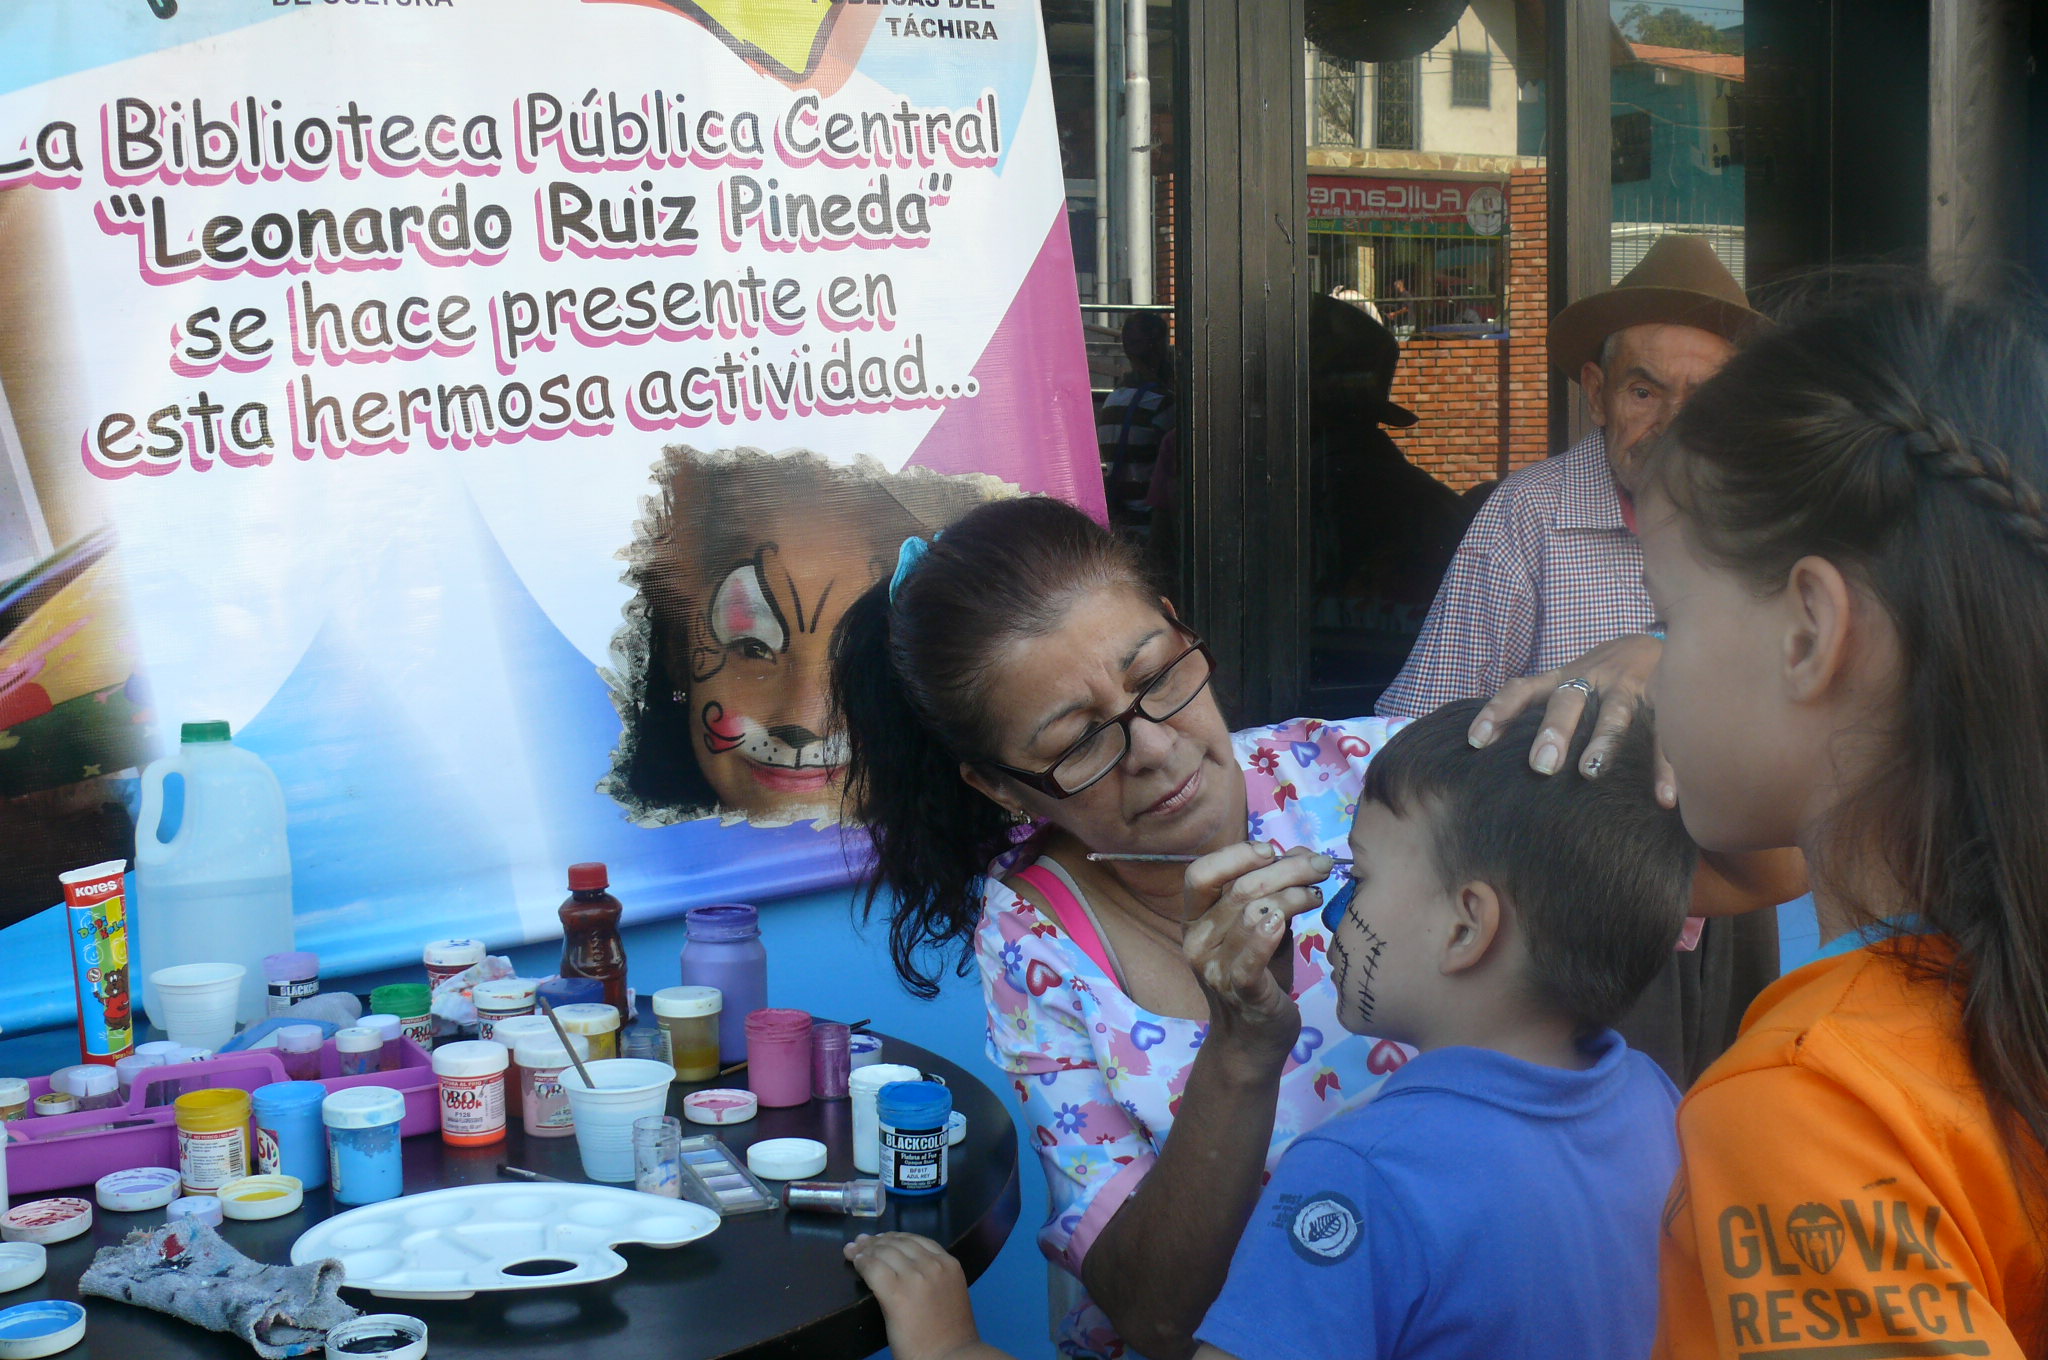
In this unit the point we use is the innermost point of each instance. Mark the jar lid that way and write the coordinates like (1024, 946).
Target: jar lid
(786, 1159)
(362, 1107)
(470, 1058)
(55, 1102)
(914, 1104)
(21, 1264)
(565, 991)
(199, 1208)
(724, 921)
(62, 1080)
(282, 1097)
(402, 999)
(161, 1046)
(452, 953)
(358, 1039)
(588, 1017)
(720, 1105)
(872, 1078)
(515, 1030)
(394, 1336)
(32, 1330)
(46, 1220)
(300, 1038)
(125, 1069)
(13, 1091)
(589, 877)
(545, 1050)
(290, 966)
(95, 1081)
(389, 1026)
(221, 1107)
(135, 1189)
(683, 1002)
(956, 1129)
(504, 992)
(258, 1197)
(778, 1022)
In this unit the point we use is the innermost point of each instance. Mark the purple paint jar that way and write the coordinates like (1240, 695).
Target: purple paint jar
(724, 951)
(831, 1062)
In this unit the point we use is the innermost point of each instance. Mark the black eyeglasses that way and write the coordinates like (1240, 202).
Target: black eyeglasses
(1103, 746)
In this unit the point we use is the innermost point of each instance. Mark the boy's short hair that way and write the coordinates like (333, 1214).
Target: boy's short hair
(1598, 875)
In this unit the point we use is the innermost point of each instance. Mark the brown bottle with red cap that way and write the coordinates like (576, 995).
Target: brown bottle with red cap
(591, 946)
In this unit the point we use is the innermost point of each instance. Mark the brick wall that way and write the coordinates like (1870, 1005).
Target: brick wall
(1454, 384)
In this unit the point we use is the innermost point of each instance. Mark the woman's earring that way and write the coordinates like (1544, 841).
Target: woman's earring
(675, 696)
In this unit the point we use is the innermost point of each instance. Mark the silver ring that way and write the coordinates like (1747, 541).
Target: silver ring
(1579, 683)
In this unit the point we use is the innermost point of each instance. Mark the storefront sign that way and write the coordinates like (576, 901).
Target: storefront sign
(1361, 205)
(371, 377)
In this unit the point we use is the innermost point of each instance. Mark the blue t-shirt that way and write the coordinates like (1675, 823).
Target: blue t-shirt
(1480, 1206)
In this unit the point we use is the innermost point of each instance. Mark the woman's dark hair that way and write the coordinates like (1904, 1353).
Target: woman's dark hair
(909, 678)
(1900, 430)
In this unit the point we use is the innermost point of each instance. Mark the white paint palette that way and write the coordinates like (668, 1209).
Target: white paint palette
(451, 1244)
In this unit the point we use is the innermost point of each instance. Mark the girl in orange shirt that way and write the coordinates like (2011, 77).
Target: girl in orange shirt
(1845, 538)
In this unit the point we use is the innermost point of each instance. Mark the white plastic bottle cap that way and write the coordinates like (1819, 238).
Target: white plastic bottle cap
(357, 1039)
(300, 1039)
(863, 1050)
(515, 1030)
(259, 1197)
(390, 1026)
(452, 953)
(13, 1091)
(64, 1079)
(382, 1326)
(545, 1050)
(199, 1208)
(93, 1082)
(21, 1264)
(504, 993)
(786, 1159)
(163, 1048)
(30, 1331)
(687, 1002)
(127, 1069)
(136, 1189)
(956, 1128)
(46, 1221)
(362, 1107)
(588, 1017)
(470, 1058)
(720, 1105)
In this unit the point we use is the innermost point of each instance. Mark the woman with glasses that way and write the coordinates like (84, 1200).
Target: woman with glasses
(1019, 699)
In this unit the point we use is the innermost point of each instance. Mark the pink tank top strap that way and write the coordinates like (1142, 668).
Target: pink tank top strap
(1069, 915)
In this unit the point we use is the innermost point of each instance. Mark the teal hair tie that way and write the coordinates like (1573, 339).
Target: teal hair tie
(907, 557)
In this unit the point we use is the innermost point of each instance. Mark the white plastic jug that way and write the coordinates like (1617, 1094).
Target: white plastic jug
(220, 890)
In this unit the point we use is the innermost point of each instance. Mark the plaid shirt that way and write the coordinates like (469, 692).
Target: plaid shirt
(1547, 572)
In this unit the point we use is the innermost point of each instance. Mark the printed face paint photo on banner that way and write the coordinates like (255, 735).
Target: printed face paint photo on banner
(336, 346)
(741, 570)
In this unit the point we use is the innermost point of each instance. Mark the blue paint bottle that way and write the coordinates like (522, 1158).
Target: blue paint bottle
(362, 1139)
(913, 1116)
(289, 1138)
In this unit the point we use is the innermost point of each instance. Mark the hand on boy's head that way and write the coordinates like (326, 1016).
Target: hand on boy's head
(1619, 672)
(923, 1293)
(1238, 903)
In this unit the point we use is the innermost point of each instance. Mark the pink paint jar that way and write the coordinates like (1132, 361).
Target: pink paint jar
(779, 1056)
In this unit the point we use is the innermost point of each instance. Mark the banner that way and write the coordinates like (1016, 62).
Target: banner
(489, 407)
(1373, 205)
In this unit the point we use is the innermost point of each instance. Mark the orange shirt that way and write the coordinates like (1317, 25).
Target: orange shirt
(1842, 1193)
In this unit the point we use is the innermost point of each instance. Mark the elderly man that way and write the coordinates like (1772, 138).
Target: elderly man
(1551, 570)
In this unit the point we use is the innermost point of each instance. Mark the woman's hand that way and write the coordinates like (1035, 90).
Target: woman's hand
(1619, 672)
(1239, 901)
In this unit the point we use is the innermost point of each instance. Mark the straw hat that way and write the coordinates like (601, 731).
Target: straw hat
(1681, 282)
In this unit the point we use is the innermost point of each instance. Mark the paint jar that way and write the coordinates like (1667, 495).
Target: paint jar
(289, 978)
(649, 1043)
(391, 1029)
(513, 1031)
(472, 1078)
(290, 1140)
(724, 950)
(658, 1155)
(857, 1199)
(864, 1050)
(688, 1018)
(413, 1004)
(298, 1048)
(779, 1056)
(570, 991)
(596, 1022)
(358, 1051)
(96, 1088)
(54, 1102)
(446, 958)
(503, 999)
(861, 1088)
(130, 1069)
(913, 1117)
(213, 1139)
(363, 1157)
(13, 1099)
(831, 1063)
(540, 1062)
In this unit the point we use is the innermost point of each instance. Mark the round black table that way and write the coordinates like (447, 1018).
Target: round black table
(764, 1284)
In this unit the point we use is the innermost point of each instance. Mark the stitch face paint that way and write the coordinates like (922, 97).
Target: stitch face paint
(1385, 925)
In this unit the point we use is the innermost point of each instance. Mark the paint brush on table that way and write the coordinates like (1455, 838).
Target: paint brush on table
(1171, 859)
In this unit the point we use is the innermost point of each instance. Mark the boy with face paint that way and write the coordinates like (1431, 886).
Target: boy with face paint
(1501, 1196)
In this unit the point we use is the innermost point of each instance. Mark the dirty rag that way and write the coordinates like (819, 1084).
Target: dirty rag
(186, 1270)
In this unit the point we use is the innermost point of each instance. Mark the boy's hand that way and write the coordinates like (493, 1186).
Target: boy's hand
(923, 1293)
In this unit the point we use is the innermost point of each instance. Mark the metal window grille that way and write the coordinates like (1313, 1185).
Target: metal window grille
(1471, 80)
(1334, 90)
(1395, 85)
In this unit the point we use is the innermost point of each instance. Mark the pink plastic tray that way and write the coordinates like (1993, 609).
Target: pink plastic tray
(40, 1158)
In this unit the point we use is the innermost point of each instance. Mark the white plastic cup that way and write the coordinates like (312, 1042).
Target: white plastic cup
(627, 1089)
(198, 1002)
